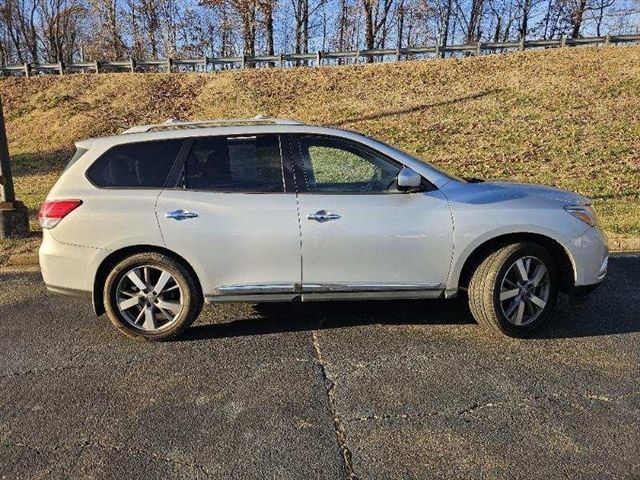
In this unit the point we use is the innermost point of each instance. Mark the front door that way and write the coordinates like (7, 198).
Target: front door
(360, 234)
(234, 217)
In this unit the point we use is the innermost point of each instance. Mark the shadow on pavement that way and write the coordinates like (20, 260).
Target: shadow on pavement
(614, 309)
(299, 317)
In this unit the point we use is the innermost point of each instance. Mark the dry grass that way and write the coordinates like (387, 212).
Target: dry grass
(568, 117)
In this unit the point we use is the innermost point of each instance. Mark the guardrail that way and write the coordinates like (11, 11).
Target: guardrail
(206, 64)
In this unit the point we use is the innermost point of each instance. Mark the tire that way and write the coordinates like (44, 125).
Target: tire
(503, 300)
(138, 311)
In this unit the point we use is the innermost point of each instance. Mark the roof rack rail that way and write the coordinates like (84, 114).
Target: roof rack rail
(174, 124)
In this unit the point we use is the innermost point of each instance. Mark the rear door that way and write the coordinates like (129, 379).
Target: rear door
(360, 234)
(233, 215)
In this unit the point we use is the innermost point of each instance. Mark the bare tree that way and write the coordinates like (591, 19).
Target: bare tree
(20, 17)
(445, 10)
(579, 7)
(53, 30)
(107, 38)
(266, 10)
(376, 13)
(246, 11)
(599, 7)
(61, 21)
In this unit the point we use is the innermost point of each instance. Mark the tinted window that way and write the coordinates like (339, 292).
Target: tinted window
(132, 165)
(333, 165)
(235, 164)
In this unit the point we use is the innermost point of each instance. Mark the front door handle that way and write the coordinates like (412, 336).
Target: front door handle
(180, 214)
(323, 216)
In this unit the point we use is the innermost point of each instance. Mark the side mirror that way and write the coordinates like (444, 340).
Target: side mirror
(409, 180)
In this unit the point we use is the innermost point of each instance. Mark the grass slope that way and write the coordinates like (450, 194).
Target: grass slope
(567, 117)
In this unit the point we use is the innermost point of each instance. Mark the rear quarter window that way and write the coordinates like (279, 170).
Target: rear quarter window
(135, 165)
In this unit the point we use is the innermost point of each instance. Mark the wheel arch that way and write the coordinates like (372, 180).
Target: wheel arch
(565, 263)
(114, 257)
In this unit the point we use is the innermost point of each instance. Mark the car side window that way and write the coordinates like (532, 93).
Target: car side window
(135, 165)
(332, 165)
(235, 164)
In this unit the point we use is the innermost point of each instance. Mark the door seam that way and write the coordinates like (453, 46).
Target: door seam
(297, 194)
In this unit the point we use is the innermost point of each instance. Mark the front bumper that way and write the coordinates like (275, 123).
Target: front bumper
(590, 257)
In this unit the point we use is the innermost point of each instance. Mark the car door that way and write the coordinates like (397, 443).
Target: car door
(233, 216)
(361, 235)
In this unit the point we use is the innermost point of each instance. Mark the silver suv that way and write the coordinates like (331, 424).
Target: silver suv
(152, 223)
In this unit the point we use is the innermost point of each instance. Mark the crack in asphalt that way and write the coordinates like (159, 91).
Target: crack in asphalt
(116, 448)
(341, 437)
(473, 408)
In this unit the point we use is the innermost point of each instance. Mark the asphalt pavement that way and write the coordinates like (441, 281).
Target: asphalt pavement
(370, 390)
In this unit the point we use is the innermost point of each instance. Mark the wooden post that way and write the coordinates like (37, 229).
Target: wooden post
(437, 54)
(521, 45)
(14, 216)
(205, 64)
(132, 65)
(169, 65)
(96, 66)
(563, 41)
(357, 57)
(478, 48)
(7, 193)
(607, 40)
(318, 58)
(397, 54)
(243, 63)
(27, 70)
(61, 68)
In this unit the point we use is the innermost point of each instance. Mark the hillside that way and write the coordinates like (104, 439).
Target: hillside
(567, 117)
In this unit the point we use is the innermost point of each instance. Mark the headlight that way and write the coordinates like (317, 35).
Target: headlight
(586, 213)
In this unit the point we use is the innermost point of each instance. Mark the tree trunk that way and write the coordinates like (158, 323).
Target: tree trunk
(475, 16)
(576, 18)
(445, 29)
(524, 23)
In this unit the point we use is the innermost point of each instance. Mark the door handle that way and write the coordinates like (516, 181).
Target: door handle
(323, 216)
(180, 215)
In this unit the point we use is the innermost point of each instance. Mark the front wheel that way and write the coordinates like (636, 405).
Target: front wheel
(514, 289)
(150, 296)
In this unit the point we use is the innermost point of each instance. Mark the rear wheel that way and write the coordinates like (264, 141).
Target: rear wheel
(514, 289)
(151, 296)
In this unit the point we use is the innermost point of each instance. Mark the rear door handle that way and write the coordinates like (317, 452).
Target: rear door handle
(180, 214)
(323, 216)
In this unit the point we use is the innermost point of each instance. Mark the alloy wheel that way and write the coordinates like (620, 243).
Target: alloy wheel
(525, 290)
(149, 298)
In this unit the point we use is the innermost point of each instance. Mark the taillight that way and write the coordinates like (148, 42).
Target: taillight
(53, 211)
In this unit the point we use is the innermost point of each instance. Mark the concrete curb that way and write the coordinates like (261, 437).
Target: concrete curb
(22, 260)
(616, 245)
(629, 244)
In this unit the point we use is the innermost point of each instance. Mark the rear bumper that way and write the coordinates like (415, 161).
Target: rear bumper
(67, 268)
(69, 292)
